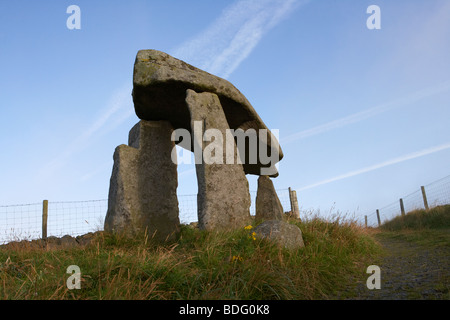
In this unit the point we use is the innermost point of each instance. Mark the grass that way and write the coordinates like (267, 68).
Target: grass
(200, 265)
(429, 228)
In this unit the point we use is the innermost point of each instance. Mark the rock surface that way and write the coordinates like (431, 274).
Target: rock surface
(223, 199)
(268, 205)
(160, 82)
(53, 242)
(282, 233)
(142, 194)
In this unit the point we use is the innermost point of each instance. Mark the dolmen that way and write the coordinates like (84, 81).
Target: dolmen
(181, 105)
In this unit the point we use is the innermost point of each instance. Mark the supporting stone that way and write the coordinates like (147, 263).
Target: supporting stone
(223, 199)
(268, 205)
(142, 194)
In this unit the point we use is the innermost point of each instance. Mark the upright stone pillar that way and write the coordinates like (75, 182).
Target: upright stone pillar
(223, 199)
(142, 193)
(268, 205)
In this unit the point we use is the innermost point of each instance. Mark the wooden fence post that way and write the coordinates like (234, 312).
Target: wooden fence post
(294, 203)
(424, 195)
(378, 217)
(365, 218)
(44, 219)
(402, 207)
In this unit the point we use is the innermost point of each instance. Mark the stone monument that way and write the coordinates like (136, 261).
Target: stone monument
(170, 95)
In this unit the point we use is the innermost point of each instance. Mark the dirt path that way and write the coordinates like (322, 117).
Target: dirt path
(410, 271)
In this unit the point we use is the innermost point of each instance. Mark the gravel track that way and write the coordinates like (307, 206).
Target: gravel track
(410, 271)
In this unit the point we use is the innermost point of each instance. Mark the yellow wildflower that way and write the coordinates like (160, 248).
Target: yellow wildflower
(248, 227)
(237, 258)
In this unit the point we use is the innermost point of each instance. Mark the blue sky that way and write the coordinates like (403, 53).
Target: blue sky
(363, 114)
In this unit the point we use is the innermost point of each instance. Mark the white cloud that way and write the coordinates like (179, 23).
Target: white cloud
(383, 164)
(231, 38)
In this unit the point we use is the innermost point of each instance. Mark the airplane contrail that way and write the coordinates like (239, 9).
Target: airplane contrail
(368, 113)
(380, 165)
(230, 39)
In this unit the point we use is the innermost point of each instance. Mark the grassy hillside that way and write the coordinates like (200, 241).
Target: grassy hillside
(200, 265)
(430, 228)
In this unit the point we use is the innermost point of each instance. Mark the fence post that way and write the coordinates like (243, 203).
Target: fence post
(365, 218)
(378, 217)
(424, 195)
(294, 203)
(44, 219)
(402, 207)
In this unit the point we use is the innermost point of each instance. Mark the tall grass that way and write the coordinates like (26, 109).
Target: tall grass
(200, 265)
(426, 227)
(435, 218)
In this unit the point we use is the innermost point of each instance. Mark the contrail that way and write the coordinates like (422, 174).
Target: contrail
(219, 49)
(359, 116)
(120, 99)
(230, 39)
(380, 165)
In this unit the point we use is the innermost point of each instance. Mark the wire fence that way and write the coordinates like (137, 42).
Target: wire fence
(432, 195)
(74, 218)
(13, 219)
(188, 205)
(24, 221)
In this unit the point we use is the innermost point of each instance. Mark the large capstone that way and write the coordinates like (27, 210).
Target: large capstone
(143, 185)
(268, 205)
(223, 198)
(160, 82)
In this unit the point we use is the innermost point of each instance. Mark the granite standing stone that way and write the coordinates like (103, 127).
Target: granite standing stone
(268, 205)
(142, 194)
(223, 198)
